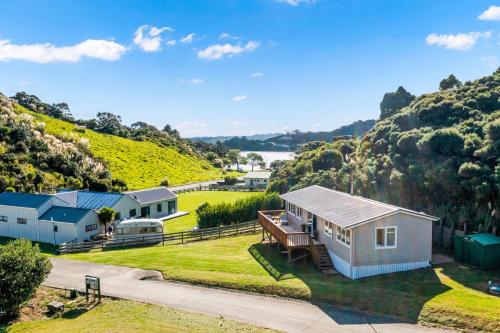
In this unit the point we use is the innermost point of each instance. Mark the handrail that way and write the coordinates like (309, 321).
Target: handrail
(287, 239)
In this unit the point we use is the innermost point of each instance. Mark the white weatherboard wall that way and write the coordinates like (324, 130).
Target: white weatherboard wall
(65, 232)
(340, 264)
(14, 230)
(89, 219)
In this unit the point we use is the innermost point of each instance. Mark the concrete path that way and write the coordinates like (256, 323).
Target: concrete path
(277, 313)
(191, 186)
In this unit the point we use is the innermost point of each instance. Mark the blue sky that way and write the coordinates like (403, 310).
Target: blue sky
(241, 67)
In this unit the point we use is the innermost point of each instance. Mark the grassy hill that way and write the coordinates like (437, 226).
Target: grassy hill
(141, 164)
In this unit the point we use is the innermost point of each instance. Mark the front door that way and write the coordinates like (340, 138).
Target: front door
(145, 211)
(314, 224)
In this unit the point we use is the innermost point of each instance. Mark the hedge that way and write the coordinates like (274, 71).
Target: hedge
(241, 210)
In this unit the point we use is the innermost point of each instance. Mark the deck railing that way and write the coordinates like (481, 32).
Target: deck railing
(290, 240)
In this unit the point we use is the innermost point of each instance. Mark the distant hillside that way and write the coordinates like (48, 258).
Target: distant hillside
(214, 139)
(140, 164)
(294, 140)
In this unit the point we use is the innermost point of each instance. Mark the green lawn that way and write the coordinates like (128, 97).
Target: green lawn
(125, 316)
(451, 294)
(189, 201)
(141, 164)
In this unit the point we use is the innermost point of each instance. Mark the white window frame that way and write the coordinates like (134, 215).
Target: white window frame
(341, 235)
(299, 212)
(327, 231)
(378, 247)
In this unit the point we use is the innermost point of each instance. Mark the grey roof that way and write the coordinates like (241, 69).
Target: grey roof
(89, 200)
(65, 214)
(151, 195)
(341, 208)
(258, 175)
(27, 200)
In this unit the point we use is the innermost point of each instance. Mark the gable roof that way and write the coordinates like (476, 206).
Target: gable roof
(65, 214)
(151, 195)
(341, 208)
(89, 200)
(27, 200)
(258, 175)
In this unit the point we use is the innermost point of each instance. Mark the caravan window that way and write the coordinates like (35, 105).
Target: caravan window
(21, 220)
(3, 218)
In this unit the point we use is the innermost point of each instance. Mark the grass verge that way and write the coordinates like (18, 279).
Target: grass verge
(451, 295)
(116, 316)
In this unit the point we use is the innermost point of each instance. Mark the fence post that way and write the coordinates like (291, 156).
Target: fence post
(102, 246)
(237, 229)
(201, 234)
(254, 227)
(219, 230)
(182, 237)
(163, 239)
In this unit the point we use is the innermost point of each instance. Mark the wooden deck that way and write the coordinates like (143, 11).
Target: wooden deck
(287, 236)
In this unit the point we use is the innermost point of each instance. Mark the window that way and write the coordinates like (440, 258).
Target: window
(299, 212)
(343, 236)
(158, 207)
(385, 237)
(118, 216)
(309, 216)
(21, 220)
(91, 227)
(56, 228)
(132, 213)
(329, 229)
(3, 218)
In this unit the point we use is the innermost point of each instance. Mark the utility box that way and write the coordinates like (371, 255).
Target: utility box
(480, 250)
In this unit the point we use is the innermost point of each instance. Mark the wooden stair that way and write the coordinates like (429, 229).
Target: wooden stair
(323, 261)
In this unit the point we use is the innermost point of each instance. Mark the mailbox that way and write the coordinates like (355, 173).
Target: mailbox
(92, 282)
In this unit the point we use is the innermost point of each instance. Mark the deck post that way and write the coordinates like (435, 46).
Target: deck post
(263, 234)
(289, 255)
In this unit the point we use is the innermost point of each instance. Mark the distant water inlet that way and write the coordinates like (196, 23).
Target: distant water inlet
(269, 157)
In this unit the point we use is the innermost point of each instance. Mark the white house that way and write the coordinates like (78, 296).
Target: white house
(361, 237)
(72, 215)
(44, 218)
(149, 203)
(257, 178)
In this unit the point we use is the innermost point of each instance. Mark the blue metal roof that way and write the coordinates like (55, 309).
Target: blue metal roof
(97, 200)
(27, 200)
(65, 214)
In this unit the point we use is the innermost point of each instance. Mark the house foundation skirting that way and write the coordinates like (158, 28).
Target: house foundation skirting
(365, 271)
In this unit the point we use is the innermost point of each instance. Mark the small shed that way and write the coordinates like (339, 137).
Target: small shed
(480, 250)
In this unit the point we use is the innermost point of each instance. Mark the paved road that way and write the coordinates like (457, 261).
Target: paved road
(190, 186)
(277, 313)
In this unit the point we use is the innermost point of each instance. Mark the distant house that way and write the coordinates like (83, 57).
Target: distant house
(72, 215)
(257, 178)
(361, 237)
(149, 203)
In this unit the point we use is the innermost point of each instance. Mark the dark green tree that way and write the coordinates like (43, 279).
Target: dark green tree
(393, 102)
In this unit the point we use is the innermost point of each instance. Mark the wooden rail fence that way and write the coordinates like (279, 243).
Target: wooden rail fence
(165, 239)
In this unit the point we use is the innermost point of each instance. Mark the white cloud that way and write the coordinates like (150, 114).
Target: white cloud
(225, 35)
(461, 41)
(194, 81)
(149, 38)
(295, 3)
(46, 53)
(171, 42)
(192, 128)
(490, 14)
(239, 98)
(188, 38)
(256, 75)
(218, 51)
